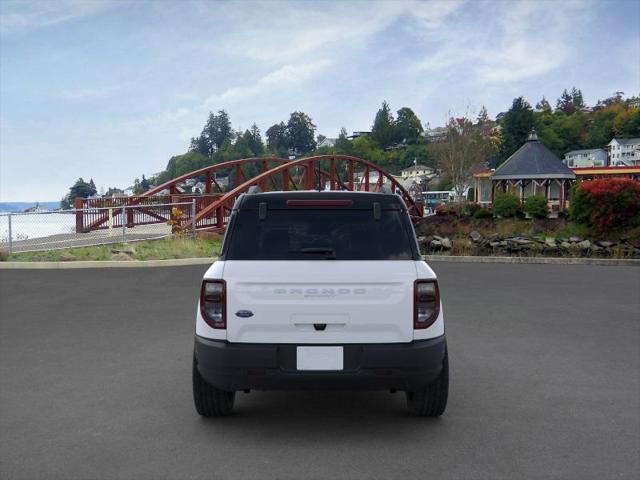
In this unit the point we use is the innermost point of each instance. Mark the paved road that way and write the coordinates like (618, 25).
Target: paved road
(95, 383)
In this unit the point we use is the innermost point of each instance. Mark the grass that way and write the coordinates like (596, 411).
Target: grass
(163, 249)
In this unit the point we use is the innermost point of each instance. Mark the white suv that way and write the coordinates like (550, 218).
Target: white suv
(320, 290)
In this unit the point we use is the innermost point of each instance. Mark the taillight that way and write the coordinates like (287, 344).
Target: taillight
(213, 303)
(426, 303)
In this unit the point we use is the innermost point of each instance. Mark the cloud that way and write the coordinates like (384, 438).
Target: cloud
(285, 77)
(23, 15)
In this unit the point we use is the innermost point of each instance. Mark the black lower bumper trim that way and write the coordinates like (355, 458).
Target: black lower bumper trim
(255, 366)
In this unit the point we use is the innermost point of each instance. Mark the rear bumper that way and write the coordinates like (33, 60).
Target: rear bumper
(254, 366)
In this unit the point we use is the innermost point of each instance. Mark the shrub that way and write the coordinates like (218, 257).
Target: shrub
(469, 209)
(536, 206)
(506, 205)
(483, 213)
(607, 203)
(447, 209)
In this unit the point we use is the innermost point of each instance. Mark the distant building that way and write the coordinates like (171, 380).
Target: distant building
(416, 171)
(594, 157)
(435, 135)
(591, 173)
(355, 135)
(327, 142)
(624, 152)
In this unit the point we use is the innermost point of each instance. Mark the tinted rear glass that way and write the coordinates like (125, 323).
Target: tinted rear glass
(307, 234)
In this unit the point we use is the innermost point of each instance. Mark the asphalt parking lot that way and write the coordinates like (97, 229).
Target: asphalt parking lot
(545, 370)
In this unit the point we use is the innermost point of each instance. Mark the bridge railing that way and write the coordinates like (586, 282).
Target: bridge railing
(103, 213)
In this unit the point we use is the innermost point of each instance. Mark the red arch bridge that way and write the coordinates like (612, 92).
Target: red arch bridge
(213, 205)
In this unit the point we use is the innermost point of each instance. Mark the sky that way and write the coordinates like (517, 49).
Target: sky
(110, 90)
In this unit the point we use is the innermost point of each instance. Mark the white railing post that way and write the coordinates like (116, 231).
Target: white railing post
(10, 235)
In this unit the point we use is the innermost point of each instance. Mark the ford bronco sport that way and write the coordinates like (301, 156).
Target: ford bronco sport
(320, 290)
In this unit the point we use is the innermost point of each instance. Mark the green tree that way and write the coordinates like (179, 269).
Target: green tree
(517, 123)
(627, 124)
(544, 106)
(565, 103)
(301, 133)
(216, 131)
(367, 148)
(408, 126)
(383, 130)
(253, 138)
(277, 139)
(577, 99)
(343, 144)
(483, 116)
(80, 189)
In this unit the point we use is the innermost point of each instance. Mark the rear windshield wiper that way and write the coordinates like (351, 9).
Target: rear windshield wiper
(329, 253)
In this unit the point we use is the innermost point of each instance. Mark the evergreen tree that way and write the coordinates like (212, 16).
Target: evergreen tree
(253, 138)
(343, 144)
(277, 140)
(576, 99)
(483, 116)
(408, 126)
(517, 123)
(565, 103)
(301, 133)
(382, 130)
(543, 106)
(216, 131)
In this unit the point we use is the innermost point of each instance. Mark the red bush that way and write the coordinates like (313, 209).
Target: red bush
(607, 203)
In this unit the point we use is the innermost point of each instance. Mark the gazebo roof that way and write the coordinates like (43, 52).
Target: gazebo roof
(532, 160)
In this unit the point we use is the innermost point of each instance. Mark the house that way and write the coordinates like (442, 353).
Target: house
(435, 135)
(532, 170)
(624, 152)
(591, 173)
(358, 134)
(593, 157)
(327, 142)
(417, 172)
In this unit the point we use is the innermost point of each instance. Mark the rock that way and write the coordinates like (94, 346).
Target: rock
(522, 241)
(446, 243)
(566, 245)
(422, 240)
(585, 245)
(575, 239)
(475, 236)
(605, 244)
(435, 243)
(67, 257)
(438, 238)
(550, 241)
(121, 257)
(494, 244)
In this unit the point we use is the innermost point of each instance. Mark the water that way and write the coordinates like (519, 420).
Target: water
(29, 226)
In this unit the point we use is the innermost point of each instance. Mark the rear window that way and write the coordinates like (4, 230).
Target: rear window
(308, 234)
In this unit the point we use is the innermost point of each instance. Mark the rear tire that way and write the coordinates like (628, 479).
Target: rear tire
(210, 401)
(432, 401)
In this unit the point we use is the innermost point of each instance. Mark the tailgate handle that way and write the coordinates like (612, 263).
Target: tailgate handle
(320, 327)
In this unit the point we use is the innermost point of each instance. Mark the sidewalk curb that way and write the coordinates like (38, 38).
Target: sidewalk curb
(178, 262)
(535, 260)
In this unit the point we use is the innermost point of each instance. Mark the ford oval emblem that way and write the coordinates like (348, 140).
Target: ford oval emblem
(244, 313)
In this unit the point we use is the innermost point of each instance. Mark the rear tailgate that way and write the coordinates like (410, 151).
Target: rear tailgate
(316, 302)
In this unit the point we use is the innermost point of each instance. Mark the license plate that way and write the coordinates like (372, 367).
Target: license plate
(320, 358)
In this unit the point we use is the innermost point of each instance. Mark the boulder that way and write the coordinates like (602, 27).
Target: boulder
(575, 239)
(446, 244)
(605, 244)
(585, 245)
(550, 241)
(475, 236)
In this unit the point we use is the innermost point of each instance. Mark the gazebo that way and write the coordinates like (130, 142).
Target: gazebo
(532, 170)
